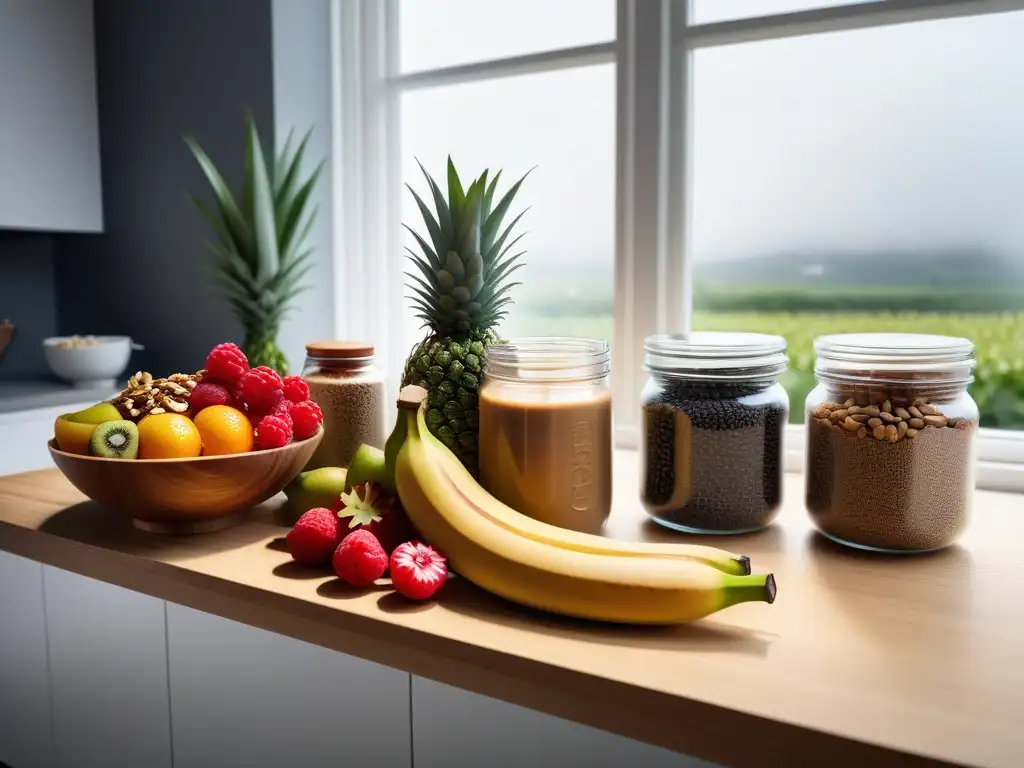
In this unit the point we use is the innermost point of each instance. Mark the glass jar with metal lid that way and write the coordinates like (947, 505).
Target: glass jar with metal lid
(546, 429)
(891, 433)
(713, 420)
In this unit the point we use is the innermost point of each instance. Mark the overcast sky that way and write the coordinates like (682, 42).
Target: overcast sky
(903, 136)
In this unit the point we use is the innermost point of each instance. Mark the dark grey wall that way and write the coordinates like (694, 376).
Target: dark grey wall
(28, 299)
(165, 69)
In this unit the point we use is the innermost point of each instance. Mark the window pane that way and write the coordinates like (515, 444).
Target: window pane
(563, 123)
(445, 33)
(867, 180)
(709, 11)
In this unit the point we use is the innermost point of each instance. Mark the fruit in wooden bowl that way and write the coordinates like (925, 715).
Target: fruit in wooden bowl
(190, 495)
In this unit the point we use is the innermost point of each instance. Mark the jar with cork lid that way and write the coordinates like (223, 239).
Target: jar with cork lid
(546, 430)
(891, 440)
(350, 390)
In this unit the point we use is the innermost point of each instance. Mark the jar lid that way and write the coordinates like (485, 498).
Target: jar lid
(548, 359)
(339, 350)
(711, 352)
(895, 353)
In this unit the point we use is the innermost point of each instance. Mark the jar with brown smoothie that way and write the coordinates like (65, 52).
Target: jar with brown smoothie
(891, 439)
(714, 416)
(350, 390)
(546, 430)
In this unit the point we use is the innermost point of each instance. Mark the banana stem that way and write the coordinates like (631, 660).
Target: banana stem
(757, 587)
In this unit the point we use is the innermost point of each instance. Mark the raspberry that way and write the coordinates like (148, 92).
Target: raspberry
(273, 432)
(306, 418)
(418, 570)
(206, 393)
(295, 389)
(227, 363)
(315, 536)
(359, 559)
(283, 410)
(259, 390)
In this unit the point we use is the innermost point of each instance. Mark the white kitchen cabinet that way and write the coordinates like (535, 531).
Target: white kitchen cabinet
(245, 697)
(454, 727)
(108, 674)
(25, 737)
(49, 132)
(25, 436)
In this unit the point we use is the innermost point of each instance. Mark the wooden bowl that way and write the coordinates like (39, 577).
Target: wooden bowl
(197, 495)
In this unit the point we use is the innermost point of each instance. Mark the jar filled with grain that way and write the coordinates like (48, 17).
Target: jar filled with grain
(891, 439)
(713, 420)
(350, 390)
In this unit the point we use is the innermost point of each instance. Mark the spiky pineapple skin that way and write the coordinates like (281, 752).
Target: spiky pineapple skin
(450, 368)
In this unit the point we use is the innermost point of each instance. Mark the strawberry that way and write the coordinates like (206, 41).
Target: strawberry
(418, 570)
(369, 507)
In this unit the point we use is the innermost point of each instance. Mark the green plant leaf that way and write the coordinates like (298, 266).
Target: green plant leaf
(247, 175)
(428, 252)
(493, 222)
(456, 196)
(281, 165)
(496, 247)
(507, 267)
(216, 224)
(489, 196)
(284, 185)
(234, 222)
(267, 258)
(292, 214)
(433, 228)
(444, 216)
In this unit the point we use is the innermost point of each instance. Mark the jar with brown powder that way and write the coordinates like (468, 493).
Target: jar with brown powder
(890, 440)
(350, 390)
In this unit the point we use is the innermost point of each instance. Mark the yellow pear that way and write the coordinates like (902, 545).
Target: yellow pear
(72, 431)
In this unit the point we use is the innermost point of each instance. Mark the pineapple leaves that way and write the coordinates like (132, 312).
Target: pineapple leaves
(288, 217)
(444, 216)
(493, 222)
(285, 173)
(495, 248)
(456, 197)
(234, 222)
(435, 263)
(267, 257)
(433, 228)
(489, 194)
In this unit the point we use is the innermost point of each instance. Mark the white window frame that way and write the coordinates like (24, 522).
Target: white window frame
(653, 50)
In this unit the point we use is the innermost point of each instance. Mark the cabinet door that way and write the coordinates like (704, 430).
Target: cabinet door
(246, 698)
(25, 728)
(454, 727)
(49, 133)
(108, 666)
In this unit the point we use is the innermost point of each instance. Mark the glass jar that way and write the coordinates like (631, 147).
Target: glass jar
(714, 416)
(350, 390)
(890, 440)
(546, 430)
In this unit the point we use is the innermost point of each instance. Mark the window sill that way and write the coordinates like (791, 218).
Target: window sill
(1000, 462)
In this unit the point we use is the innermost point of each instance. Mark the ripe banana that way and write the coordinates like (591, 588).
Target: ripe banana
(451, 472)
(497, 557)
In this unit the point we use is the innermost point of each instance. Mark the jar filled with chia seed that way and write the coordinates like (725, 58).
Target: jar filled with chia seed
(714, 415)
(890, 440)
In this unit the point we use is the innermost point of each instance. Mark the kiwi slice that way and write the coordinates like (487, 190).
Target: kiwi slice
(115, 440)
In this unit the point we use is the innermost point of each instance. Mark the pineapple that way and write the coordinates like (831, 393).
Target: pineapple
(258, 264)
(460, 293)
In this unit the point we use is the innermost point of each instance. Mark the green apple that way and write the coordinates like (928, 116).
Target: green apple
(316, 488)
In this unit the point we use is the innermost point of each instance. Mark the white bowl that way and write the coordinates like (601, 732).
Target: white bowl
(98, 365)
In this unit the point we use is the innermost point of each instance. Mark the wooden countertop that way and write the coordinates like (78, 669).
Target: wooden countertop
(862, 661)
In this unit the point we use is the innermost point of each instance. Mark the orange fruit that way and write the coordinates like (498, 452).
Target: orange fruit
(168, 436)
(224, 430)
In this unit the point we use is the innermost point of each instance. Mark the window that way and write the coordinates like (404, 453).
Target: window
(879, 176)
(792, 166)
